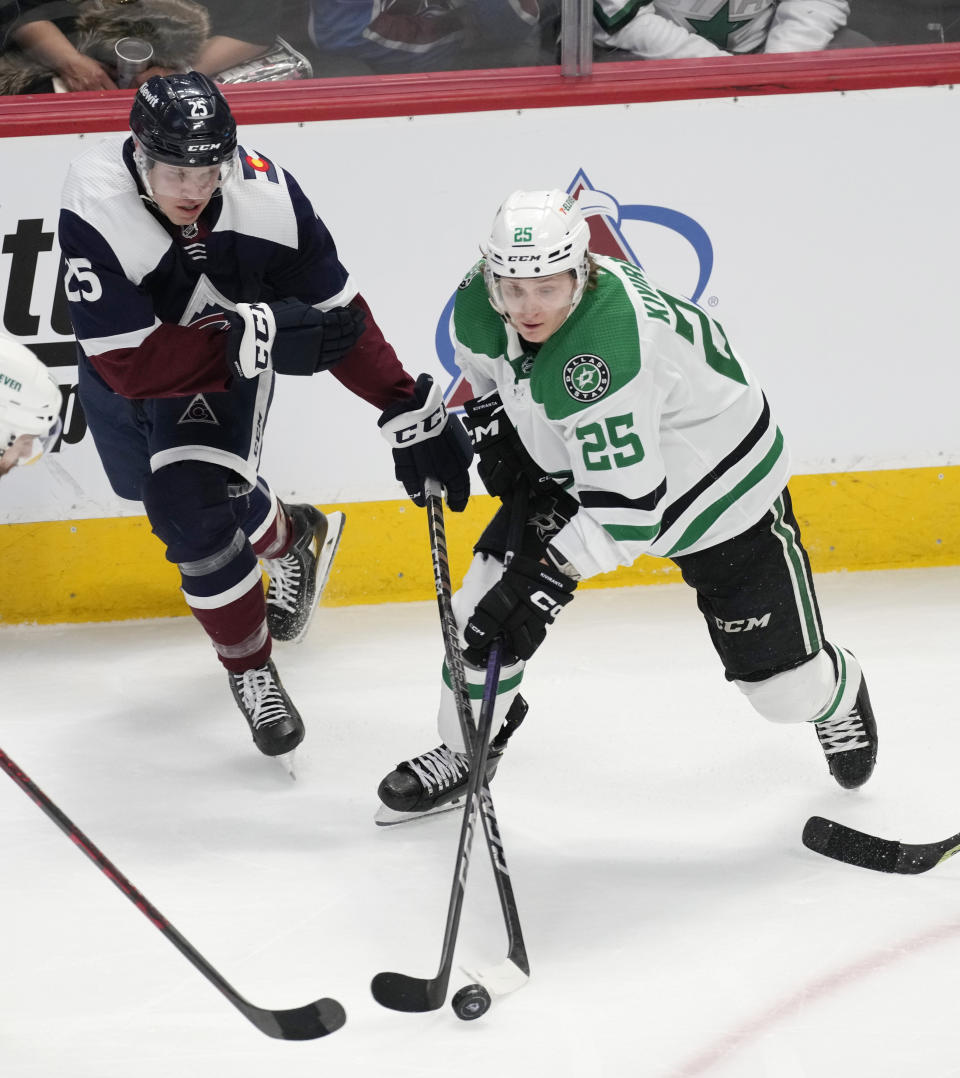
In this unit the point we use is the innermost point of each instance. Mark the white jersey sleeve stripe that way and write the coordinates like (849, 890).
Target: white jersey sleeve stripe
(341, 299)
(96, 346)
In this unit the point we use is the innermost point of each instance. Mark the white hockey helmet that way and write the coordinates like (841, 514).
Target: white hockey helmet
(536, 234)
(29, 400)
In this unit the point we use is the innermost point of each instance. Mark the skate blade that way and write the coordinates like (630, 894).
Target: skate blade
(325, 556)
(388, 817)
(286, 761)
(499, 980)
(335, 524)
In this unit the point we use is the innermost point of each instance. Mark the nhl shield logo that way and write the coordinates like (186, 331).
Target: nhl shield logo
(586, 378)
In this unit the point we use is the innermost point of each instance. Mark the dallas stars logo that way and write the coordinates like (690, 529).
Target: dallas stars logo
(586, 377)
(720, 28)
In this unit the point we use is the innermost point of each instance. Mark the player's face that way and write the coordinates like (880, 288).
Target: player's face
(182, 194)
(537, 308)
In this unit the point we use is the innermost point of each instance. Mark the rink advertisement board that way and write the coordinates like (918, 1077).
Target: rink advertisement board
(820, 229)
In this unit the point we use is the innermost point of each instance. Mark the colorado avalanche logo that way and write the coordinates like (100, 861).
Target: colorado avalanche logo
(605, 216)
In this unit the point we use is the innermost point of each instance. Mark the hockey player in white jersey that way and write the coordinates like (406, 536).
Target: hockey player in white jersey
(195, 271)
(677, 29)
(638, 430)
(30, 402)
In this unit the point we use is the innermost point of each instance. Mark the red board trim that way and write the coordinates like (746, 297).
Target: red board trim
(517, 88)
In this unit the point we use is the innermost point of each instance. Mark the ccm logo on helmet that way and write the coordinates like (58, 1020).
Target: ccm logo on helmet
(524, 258)
(199, 147)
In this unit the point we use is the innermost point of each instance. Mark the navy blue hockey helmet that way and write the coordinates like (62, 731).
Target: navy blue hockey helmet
(183, 119)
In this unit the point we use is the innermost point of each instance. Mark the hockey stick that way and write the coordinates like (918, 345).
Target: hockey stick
(305, 1023)
(399, 991)
(853, 847)
(514, 971)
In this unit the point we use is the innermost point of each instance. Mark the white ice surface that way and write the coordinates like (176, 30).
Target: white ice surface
(676, 925)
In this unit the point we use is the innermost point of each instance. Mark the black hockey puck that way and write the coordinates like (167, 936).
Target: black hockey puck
(471, 1002)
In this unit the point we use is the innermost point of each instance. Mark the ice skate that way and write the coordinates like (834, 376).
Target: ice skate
(298, 578)
(849, 742)
(274, 722)
(436, 781)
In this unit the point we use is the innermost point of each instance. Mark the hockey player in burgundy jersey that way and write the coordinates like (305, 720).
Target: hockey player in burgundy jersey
(638, 430)
(196, 270)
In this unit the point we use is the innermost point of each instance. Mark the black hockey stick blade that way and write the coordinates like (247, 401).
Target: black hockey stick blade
(854, 847)
(305, 1023)
(412, 994)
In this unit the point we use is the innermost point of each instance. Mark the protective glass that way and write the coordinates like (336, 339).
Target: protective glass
(525, 294)
(183, 181)
(173, 181)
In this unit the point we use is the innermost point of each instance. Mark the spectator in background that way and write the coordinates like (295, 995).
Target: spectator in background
(74, 43)
(676, 29)
(394, 36)
(239, 30)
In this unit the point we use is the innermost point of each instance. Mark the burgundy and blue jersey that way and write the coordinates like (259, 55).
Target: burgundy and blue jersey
(147, 297)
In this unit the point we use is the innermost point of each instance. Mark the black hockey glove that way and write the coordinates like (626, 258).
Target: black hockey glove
(519, 607)
(502, 459)
(290, 337)
(428, 443)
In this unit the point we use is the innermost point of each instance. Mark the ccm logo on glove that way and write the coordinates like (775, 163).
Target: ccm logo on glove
(290, 337)
(259, 329)
(428, 427)
(518, 609)
(428, 443)
(547, 603)
(503, 460)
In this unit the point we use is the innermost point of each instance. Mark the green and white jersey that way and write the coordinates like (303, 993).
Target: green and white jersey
(675, 29)
(640, 408)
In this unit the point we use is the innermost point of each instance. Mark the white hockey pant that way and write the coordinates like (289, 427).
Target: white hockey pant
(483, 573)
(809, 692)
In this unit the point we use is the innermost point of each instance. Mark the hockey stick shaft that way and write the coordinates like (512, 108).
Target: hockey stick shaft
(517, 963)
(857, 848)
(397, 990)
(313, 1020)
(472, 809)
(517, 953)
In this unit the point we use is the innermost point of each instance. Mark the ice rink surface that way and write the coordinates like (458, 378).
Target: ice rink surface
(675, 923)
